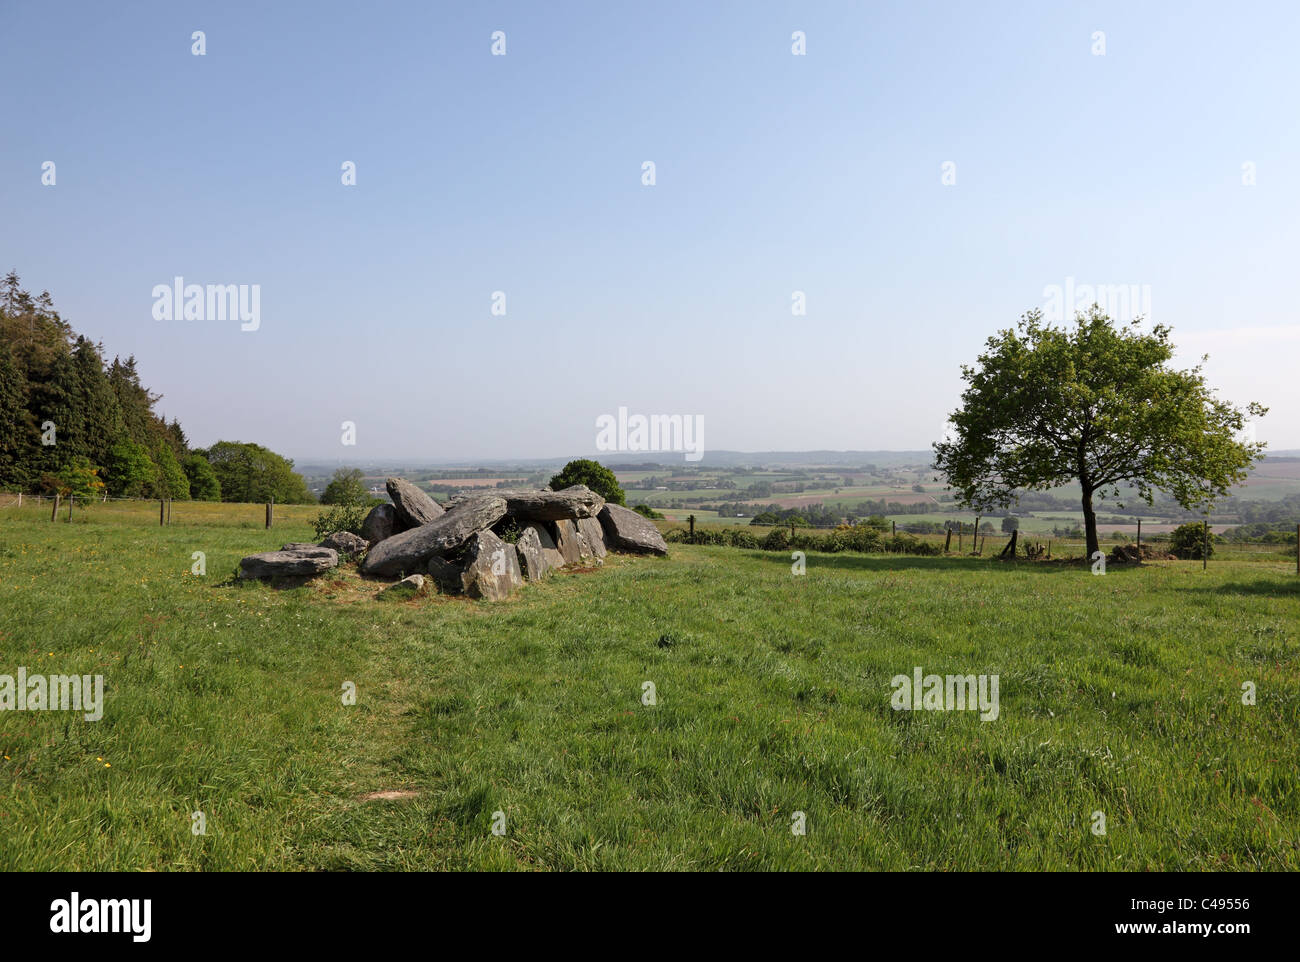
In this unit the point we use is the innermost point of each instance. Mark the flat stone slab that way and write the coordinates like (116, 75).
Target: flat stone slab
(297, 562)
(345, 542)
(574, 502)
(410, 551)
(625, 530)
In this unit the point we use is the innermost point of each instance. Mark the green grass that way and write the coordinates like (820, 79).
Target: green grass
(1119, 694)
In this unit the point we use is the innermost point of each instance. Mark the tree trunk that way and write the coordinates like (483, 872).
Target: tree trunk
(1090, 523)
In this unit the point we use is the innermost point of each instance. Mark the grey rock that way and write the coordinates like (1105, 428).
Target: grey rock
(532, 556)
(411, 550)
(299, 562)
(550, 553)
(594, 536)
(569, 541)
(488, 568)
(625, 530)
(414, 507)
(345, 542)
(381, 523)
(577, 501)
(408, 587)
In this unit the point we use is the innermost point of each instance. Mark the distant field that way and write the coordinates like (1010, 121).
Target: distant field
(1119, 694)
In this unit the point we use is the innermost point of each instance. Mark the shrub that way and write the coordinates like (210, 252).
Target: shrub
(1187, 541)
(594, 475)
(341, 517)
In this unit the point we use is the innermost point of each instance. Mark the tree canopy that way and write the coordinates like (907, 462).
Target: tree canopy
(594, 475)
(1098, 404)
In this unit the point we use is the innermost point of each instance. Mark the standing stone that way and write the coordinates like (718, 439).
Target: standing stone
(380, 523)
(488, 568)
(626, 530)
(532, 557)
(550, 553)
(411, 550)
(413, 506)
(569, 541)
(594, 536)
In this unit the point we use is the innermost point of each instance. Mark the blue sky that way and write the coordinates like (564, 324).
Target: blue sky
(522, 173)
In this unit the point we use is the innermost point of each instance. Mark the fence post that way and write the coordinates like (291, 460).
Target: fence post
(690, 519)
(54, 510)
(1205, 544)
(162, 505)
(169, 510)
(20, 499)
(975, 537)
(1139, 539)
(959, 530)
(791, 530)
(947, 541)
(71, 499)
(895, 528)
(270, 511)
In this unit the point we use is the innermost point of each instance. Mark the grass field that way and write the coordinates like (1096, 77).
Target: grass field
(1119, 694)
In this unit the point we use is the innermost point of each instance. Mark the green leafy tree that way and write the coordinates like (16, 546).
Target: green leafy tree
(170, 480)
(76, 479)
(251, 473)
(648, 512)
(1097, 404)
(594, 475)
(1010, 524)
(346, 487)
(131, 472)
(204, 485)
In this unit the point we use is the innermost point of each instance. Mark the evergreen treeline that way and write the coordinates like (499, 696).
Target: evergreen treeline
(63, 408)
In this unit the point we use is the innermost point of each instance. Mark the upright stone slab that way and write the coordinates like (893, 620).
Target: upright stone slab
(487, 568)
(626, 530)
(413, 506)
(570, 543)
(382, 522)
(550, 553)
(411, 550)
(532, 557)
(593, 535)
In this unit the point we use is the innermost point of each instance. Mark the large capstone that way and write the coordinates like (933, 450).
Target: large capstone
(572, 503)
(626, 530)
(413, 506)
(411, 550)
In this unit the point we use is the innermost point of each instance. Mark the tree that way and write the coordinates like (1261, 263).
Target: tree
(252, 473)
(170, 480)
(76, 479)
(1010, 523)
(204, 485)
(1099, 405)
(130, 470)
(594, 475)
(346, 487)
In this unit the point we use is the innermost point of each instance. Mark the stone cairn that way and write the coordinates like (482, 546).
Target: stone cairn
(460, 548)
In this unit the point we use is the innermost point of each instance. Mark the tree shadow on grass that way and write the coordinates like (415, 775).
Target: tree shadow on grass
(867, 563)
(1263, 588)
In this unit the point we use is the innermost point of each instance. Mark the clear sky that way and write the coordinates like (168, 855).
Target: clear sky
(522, 173)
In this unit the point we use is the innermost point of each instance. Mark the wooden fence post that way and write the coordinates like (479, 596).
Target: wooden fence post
(959, 531)
(690, 519)
(1205, 544)
(1139, 539)
(270, 512)
(947, 541)
(71, 498)
(20, 499)
(893, 523)
(162, 506)
(55, 510)
(169, 510)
